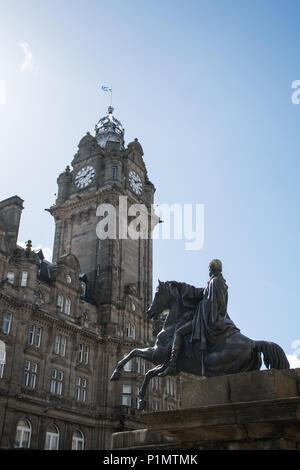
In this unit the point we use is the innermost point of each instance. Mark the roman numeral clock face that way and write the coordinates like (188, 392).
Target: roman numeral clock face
(84, 177)
(135, 182)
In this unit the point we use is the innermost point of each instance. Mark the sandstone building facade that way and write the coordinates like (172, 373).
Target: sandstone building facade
(64, 324)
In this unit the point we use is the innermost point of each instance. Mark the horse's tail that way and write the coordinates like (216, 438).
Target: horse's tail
(273, 355)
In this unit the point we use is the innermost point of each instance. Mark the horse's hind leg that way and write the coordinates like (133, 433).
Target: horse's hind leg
(149, 375)
(143, 353)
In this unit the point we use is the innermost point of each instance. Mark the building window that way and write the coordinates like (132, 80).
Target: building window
(56, 382)
(52, 438)
(155, 406)
(84, 316)
(34, 335)
(140, 365)
(7, 317)
(24, 278)
(114, 173)
(137, 397)
(38, 294)
(130, 330)
(170, 386)
(23, 434)
(126, 396)
(67, 306)
(82, 289)
(60, 345)
(80, 389)
(128, 366)
(60, 302)
(10, 277)
(154, 382)
(68, 279)
(2, 358)
(83, 355)
(30, 374)
(77, 440)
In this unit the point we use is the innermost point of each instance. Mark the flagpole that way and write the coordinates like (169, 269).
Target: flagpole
(111, 95)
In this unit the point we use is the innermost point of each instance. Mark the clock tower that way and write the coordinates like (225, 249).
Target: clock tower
(117, 271)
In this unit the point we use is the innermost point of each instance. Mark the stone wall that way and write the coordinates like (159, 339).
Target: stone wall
(247, 411)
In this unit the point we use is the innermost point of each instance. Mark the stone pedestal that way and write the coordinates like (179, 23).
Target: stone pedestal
(253, 410)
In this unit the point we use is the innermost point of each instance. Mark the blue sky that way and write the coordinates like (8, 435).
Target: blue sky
(206, 87)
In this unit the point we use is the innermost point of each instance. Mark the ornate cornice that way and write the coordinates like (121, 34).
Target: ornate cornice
(66, 325)
(64, 210)
(11, 300)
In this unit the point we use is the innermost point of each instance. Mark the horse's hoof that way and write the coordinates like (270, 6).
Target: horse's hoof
(116, 375)
(142, 405)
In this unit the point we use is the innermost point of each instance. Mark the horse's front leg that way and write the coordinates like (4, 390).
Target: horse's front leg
(149, 375)
(143, 353)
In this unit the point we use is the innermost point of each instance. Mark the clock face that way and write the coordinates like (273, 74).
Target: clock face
(84, 177)
(135, 182)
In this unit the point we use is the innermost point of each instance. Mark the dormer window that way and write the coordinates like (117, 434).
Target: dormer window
(83, 289)
(24, 278)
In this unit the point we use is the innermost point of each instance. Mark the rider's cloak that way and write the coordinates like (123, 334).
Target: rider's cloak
(211, 322)
(215, 340)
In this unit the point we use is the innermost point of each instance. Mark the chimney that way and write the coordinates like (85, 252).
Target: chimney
(10, 215)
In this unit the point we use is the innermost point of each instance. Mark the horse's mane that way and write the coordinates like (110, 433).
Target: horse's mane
(176, 284)
(160, 320)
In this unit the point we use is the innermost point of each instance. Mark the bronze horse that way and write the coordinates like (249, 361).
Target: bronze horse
(237, 354)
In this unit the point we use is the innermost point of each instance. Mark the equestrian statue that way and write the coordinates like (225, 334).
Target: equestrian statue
(197, 335)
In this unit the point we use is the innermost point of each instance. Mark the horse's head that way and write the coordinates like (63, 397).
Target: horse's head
(161, 301)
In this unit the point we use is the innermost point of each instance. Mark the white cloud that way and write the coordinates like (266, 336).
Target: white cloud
(2, 92)
(28, 63)
(294, 361)
(47, 252)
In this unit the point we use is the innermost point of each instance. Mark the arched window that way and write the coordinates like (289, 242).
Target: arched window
(60, 302)
(67, 306)
(23, 434)
(52, 438)
(77, 440)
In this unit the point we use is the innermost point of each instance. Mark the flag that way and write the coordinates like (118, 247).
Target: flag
(106, 88)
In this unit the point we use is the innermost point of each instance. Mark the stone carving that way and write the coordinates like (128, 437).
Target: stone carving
(198, 336)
